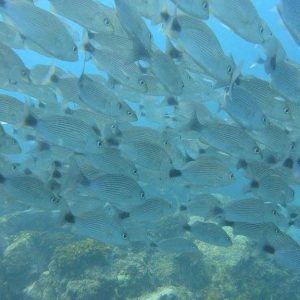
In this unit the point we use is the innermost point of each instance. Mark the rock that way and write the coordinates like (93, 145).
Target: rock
(168, 293)
(71, 261)
(89, 289)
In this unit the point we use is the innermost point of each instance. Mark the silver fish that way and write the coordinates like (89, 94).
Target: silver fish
(31, 191)
(10, 36)
(241, 106)
(176, 245)
(196, 8)
(230, 139)
(203, 205)
(12, 110)
(272, 188)
(289, 11)
(150, 211)
(126, 73)
(41, 27)
(12, 68)
(97, 225)
(90, 14)
(206, 171)
(285, 75)
(134, 24)
(272, 103)
(210, 233)
(242, 18)
(253, 210)
(8, 144)
(67, 132)
(100, 98)
(121, 190)
(110, 160)
(199, 41)
(167, 72)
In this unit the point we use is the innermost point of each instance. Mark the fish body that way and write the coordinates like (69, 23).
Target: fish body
(41, 27)
(289, 11)
(200, 42)
(242, 18)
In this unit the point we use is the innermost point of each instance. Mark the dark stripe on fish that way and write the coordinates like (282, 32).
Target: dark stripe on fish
(2, 178)
(174, 173)
(288, 163)
(31, 121)
(69, 218)
(124, 215)
(176, 26)
(269, 249)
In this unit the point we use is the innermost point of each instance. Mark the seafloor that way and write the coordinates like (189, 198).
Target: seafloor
(42, 265)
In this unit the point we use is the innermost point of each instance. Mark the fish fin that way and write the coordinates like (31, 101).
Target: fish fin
(236, 73)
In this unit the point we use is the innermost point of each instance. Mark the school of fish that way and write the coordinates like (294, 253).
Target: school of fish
(132, 153)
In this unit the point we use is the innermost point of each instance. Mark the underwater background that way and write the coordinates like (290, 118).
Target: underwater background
(41, 259)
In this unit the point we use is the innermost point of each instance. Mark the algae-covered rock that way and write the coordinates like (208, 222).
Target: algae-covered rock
(169, 293)
(42, 289)
(89, 289)
(26, 257)
(77, 270)
(74, 259)
(260, 277)
(132, 274)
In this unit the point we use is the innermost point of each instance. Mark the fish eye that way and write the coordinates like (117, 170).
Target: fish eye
(231, 175)
(264, 119)
(256, 150)
(124, 235)
(286, 110)
(142, 194)
(75, 49)
(229, 69)
(204, 4)
(129, 113)
(141, 82)
(134, 171)
(150, 36)
(120, 105)
(182, 84)
(106, 21)
(274, 212)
